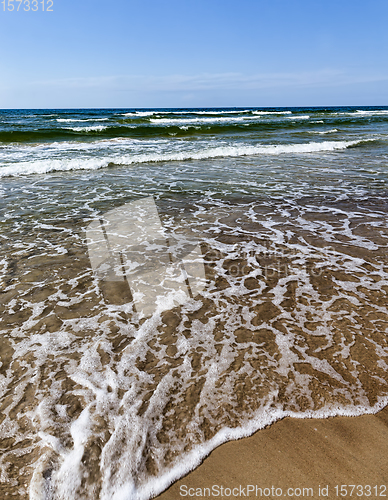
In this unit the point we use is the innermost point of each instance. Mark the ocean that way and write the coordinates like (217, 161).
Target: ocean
(172, 279)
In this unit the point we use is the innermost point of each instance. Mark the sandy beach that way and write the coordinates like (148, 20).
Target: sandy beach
(295, 454)
(177, 300)
(193, 250)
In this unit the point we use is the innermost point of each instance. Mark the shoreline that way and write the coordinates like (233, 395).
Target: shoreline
(292, 454)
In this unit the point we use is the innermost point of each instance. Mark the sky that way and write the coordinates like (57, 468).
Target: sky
(193, 53)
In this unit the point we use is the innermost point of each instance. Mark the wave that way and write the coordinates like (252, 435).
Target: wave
(95, 128)
(163, 127)
(212, 113)
(187, 121)
(68, 120)
(196, 112)
(359, 113)
(141, 113)
(323, 132)
(155, 130)
(370, 112)
(272, 112)
(66, 146)
(45, 166)
(230, 112)
(216, 112)
(299, 117)
(261, 420)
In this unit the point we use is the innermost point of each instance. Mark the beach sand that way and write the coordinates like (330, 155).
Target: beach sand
(298, 453)
(290, 325)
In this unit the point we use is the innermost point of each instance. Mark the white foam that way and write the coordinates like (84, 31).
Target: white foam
(193, 459)
(15, 150)
(272, 112)
(215, 112)
(134, 436)
(299, 117)
(371, 112)
(192, 112)
(188, 121)
(141, 113)
(44, 166)
(95, 128)
(323, 132)
(69, 120)
(360, 113)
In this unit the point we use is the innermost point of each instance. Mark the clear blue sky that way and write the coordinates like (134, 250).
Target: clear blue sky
(184, 53)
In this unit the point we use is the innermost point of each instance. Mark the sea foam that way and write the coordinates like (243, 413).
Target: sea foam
(45, 166)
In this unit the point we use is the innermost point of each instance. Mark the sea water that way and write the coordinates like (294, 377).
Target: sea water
(249, 281)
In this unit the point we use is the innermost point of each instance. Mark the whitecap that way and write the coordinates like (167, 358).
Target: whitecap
(50, 165)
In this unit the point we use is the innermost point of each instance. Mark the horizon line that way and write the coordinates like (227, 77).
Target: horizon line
(199, 107)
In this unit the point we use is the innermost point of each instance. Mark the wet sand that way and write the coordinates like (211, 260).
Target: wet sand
(285, 324)
(295, 453)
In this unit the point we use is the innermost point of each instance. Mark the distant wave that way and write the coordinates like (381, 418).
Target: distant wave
(45, 166)
(360, 113)
(299, 117)
(141, 113)
(192, 112)
(204, 120)
(371, 112)
(155, 124)
(331, 131)
(155, 128)
(216, 112)
(68, 120)
(213, 113)
(272, 112)
(96, 128)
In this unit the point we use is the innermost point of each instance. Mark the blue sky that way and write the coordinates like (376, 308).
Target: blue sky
(194, 53)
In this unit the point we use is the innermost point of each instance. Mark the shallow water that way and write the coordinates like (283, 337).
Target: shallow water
(104, 399)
